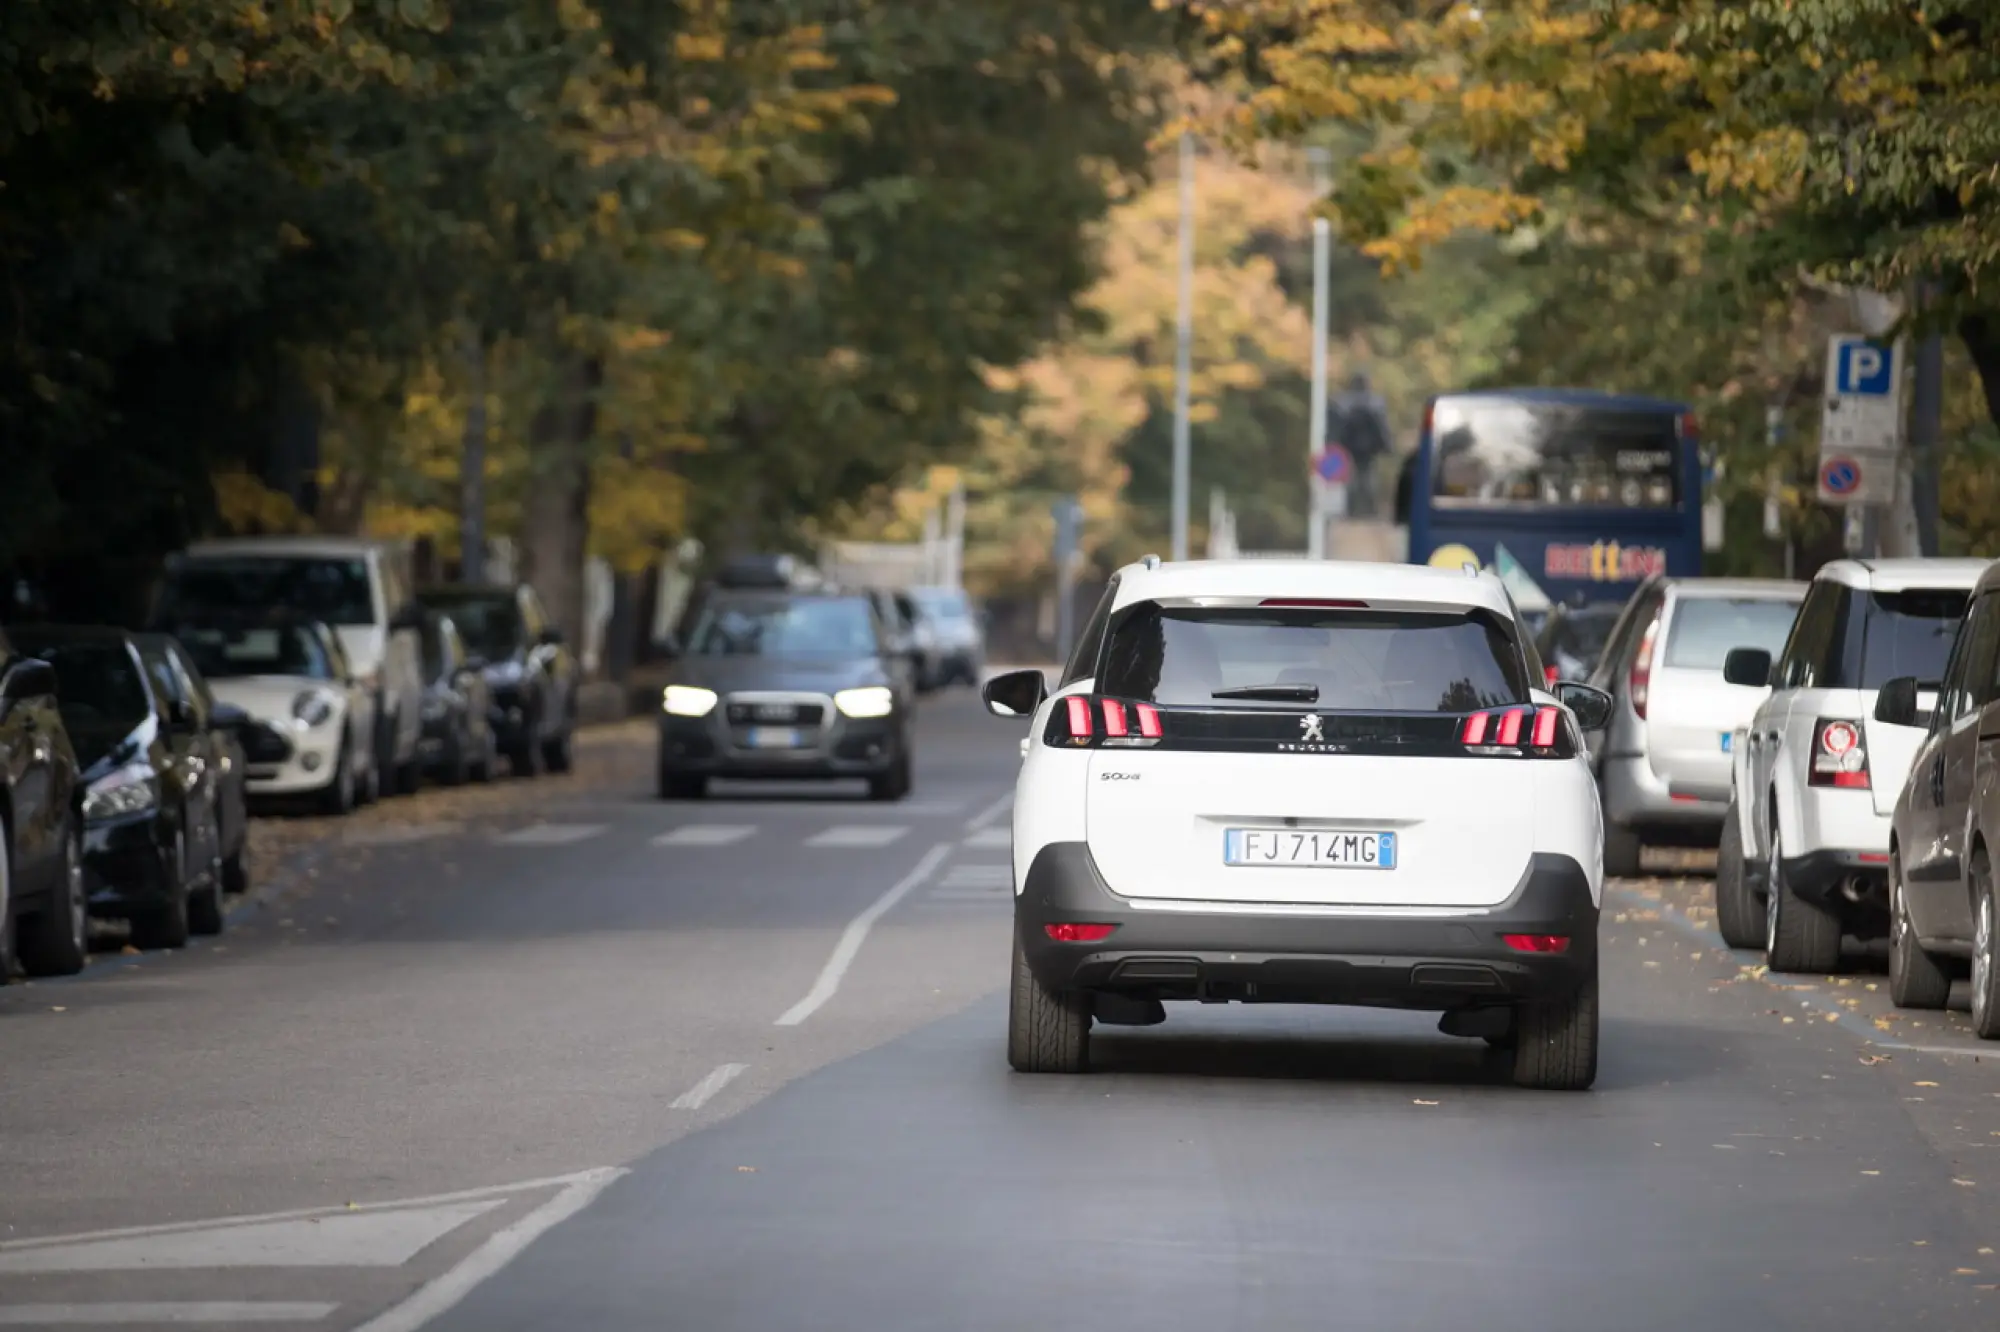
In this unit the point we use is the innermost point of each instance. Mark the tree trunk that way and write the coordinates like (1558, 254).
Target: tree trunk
(556, 521)
(1981, 335)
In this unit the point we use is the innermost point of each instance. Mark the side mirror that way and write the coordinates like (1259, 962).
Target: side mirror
(227, 716)
(1590, 705)
(1747, 666)
(1015, 694)
(32, 678)
(1896, 704)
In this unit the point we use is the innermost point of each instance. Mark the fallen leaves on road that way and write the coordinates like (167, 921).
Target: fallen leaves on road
(1421, 1101)
(1875, 1059)
(746, 1170)
(1964, 1183)
(1877, 1172)
(58, 1008)
(1923, 1084)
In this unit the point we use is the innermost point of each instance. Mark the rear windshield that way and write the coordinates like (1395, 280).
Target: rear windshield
(488, 625)
(1909, 633)
(334, 590)
(1364, 661)
(1706, 629)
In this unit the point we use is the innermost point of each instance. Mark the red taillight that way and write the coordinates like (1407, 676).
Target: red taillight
(1873, 857)
(1114, 717)
(1551, 676)
(1076, 723)
(1149, 720)
(1314, 603)
(1641, 678)
(1545, 727)
(1078, 708)
(1501, 729)
(1069, 933)
(1838, 757)
(1536, 943)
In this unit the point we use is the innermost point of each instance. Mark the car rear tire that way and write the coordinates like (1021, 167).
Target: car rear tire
(56, 941)
(166, 925)
(1621, 852)
(1799, 937)
(1985, 949)
(1916, 979)
(1047, 1031)
(1738, 913)
(1555, 1041)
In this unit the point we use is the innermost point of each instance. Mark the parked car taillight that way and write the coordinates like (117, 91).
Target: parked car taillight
(1551, 676)
(1514, 732)
(1838, 756)
(1088, 718)
(1639, 682)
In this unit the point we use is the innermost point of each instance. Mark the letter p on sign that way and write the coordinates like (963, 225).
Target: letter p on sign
(1864, 370)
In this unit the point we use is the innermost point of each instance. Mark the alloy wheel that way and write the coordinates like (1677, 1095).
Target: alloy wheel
(1983, 944)
(79, 906)
(1774, 887)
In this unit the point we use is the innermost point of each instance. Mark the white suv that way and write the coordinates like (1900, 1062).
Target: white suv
(1306, 782)
(1815, 775)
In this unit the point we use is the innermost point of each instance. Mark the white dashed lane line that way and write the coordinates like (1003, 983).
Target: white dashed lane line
(704, 1091)
(550, 834)
(706, 834)
(859, 835)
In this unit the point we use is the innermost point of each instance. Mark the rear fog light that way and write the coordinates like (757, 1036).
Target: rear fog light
(1071, 933)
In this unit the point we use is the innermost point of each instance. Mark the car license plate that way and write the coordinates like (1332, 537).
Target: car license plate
(1728, 738)
(1309, 849)
(773, 737)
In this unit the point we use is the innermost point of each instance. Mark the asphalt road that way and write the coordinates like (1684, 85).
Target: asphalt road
(564, 1055)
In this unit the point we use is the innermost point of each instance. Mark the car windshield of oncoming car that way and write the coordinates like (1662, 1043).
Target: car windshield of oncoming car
(489, 626)
(224, 654)
(1366, 661)
(1706, 629)
(98, 685)
(1505, 452)
(943, 603)
(804, 627)
(335, 591)
(1909, 633)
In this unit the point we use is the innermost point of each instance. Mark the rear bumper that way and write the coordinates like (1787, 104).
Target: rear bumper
(1853, 884)
(1433, 963)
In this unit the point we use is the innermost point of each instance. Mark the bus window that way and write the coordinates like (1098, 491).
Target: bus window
(1497, 452)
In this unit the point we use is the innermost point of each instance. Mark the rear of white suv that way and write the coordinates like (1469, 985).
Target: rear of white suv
(1302, 782)
(1815, 783)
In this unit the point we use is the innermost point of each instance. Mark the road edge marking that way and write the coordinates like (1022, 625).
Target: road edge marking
(851, 938)
(442, 1293)
(702, 1092)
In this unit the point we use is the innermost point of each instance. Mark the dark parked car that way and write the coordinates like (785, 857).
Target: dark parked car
(155, 779)
(532, 675)
(459, 742)
(785, 684)
(44, 920)
(172, 665)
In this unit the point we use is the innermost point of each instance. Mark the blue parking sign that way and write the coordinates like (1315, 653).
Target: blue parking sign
(1865, 369)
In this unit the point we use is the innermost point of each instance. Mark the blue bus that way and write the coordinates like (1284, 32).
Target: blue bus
(1570, 495)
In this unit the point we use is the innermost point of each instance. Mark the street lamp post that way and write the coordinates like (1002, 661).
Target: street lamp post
(1184, 349)
(1322, 161)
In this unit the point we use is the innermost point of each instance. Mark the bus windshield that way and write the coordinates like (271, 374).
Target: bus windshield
(1510, 453)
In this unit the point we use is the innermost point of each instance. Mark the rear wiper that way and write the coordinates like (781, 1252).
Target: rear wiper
(1274, 693)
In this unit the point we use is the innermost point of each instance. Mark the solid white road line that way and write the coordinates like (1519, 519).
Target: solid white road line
(500, 1248)
(990, 814)
(550, 834)
(699, 1095)
(851, 938)
(858, 835)
(188, 1311)
(706, 834)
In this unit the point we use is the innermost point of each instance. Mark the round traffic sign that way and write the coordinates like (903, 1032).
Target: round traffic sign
(1840, 476)
(1334, 465)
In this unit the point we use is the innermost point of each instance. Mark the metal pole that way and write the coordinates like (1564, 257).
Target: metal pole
(1316, 430)
(1926, 413)
(1184, 349)
(472, 464)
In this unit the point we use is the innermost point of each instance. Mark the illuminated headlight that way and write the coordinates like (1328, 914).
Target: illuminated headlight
(867, 701)
(120, 794)
(688, 701)
(314, 707)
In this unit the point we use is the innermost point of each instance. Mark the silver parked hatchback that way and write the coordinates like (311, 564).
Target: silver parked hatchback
(1663, 761)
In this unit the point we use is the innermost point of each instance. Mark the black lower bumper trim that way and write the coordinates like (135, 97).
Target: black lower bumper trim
(1822, 877)
(1431, 963)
